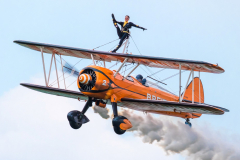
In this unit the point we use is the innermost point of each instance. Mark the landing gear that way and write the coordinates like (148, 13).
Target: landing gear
(77, 118)
(187, 122)
(120, 123)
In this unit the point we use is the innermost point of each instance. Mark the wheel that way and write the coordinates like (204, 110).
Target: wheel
(188, 123)
(73, 119)
(75, 125)
(118, 130)
(121, 124)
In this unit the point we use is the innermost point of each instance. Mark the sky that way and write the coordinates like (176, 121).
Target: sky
(35, 125)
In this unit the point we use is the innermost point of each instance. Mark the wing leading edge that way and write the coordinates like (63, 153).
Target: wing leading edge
(56, 91)
(158, 62)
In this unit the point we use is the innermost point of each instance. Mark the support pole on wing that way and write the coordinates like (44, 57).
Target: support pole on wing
(120, 67)
(186, 85)
(44, 67)
(63, 72)
(180, 82)
(50, 68)
(104, 64)
(56, 69)
(192, 86)
(125, 45)
(131, 71)
(93, 60)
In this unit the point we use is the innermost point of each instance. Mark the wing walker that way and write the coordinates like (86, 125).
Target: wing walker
(100, 85)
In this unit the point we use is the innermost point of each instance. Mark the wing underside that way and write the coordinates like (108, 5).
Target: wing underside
(155, 106)
(56, 91)
(158, 62)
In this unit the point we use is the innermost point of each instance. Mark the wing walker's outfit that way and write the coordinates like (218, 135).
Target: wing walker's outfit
(124, 32)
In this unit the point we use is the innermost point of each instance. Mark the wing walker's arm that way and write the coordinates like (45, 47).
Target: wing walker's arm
(137, 26)
(131, 24)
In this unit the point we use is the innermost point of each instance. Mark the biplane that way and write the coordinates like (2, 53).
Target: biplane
(104, 86)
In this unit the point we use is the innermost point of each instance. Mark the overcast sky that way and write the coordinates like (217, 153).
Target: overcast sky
(34, 125)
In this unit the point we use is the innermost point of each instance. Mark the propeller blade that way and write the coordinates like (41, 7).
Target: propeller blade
(70, 70)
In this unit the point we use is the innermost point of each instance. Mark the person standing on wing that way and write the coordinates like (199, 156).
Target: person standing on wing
(124, 32)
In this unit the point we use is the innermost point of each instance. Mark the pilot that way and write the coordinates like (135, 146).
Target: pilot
(124, 32)
(144, 81)
(139, 77)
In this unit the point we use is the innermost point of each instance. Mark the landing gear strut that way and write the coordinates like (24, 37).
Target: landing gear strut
(187, 122)
(77, 118)
(120, 123)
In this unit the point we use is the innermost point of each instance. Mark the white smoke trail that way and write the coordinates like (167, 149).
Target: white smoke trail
(103, 112)
(180, 138)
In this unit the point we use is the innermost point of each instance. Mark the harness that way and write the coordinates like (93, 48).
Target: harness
(125, 27)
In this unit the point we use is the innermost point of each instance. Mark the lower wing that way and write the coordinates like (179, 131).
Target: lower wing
(137, 104)
(155, 106)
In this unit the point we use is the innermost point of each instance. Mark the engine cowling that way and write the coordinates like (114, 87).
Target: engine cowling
(94, 82)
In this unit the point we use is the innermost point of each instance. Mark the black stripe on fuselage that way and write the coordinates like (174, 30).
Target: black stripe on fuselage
(92, 91)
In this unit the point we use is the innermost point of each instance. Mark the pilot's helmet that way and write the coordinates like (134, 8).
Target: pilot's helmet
(139, 77)
(144, 81)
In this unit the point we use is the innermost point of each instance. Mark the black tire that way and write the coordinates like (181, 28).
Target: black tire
(189, 124)
(75, 125)
(116, 124)
(71, 118)
(118, 130)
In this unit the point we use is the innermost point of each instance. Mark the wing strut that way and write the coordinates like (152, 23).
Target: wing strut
(186, 86)
(132, 70)
(121, 67)
(180, 82)
(192, 86)
(44, 66)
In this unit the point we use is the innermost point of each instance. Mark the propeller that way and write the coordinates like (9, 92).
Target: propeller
(87, 79)
(70, 69)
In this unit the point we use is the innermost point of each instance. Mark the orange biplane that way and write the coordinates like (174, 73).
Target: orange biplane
(104, 86)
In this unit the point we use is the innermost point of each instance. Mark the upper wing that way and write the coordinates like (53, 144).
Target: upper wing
(159, 62)
(153, 106)
(56, 91)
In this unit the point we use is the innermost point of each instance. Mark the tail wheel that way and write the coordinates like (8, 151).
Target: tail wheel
(121, 124)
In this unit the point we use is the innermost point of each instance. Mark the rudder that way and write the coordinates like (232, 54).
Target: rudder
(198, 97)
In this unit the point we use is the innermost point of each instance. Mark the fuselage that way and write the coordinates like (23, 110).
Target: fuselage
(104, 85)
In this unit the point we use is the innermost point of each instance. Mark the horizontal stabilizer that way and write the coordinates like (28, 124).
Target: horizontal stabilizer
(56, 91)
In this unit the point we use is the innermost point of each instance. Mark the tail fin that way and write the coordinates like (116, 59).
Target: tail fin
(198, 96)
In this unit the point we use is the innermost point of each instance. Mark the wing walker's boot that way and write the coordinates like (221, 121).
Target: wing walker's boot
(114, 51)
(114, 20)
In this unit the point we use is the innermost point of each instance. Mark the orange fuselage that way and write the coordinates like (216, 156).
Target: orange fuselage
(106, 86)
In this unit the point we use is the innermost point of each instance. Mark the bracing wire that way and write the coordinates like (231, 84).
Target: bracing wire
(106, 44)
(135, 45)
